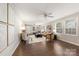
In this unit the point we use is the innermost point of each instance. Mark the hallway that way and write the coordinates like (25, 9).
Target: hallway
(55, 48)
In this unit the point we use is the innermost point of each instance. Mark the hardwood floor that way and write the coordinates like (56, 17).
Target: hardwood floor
(55, 48)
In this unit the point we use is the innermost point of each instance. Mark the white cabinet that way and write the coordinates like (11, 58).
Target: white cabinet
(3, 12)
(6, 32)
(3, 26)
(10, 34)
(3, 36)
(11, 15)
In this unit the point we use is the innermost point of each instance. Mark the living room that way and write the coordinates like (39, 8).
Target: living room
(39, 29)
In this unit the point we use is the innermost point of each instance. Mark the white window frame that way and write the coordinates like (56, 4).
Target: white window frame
(61, 27)
(75, 27)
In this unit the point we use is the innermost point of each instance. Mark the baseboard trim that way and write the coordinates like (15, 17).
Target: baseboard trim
(70, 42)
(15, 48)
(10, 49)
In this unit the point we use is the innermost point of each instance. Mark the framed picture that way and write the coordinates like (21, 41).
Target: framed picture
(49, 28)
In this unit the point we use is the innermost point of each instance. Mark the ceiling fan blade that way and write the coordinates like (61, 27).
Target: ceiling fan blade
(49, 13)
(45, 14)
(42, 12)
(50, 16)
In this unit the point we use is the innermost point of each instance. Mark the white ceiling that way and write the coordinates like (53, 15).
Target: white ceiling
(30, 12)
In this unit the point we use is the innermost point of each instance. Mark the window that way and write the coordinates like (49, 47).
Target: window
(70, 27)
(59, 28)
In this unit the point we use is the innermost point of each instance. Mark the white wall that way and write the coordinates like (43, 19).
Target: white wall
(13, 28)
(74, 39)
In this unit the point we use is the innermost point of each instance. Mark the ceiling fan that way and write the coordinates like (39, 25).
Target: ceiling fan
(46, 14)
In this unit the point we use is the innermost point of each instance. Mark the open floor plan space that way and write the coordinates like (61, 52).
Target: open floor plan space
(39, 29)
